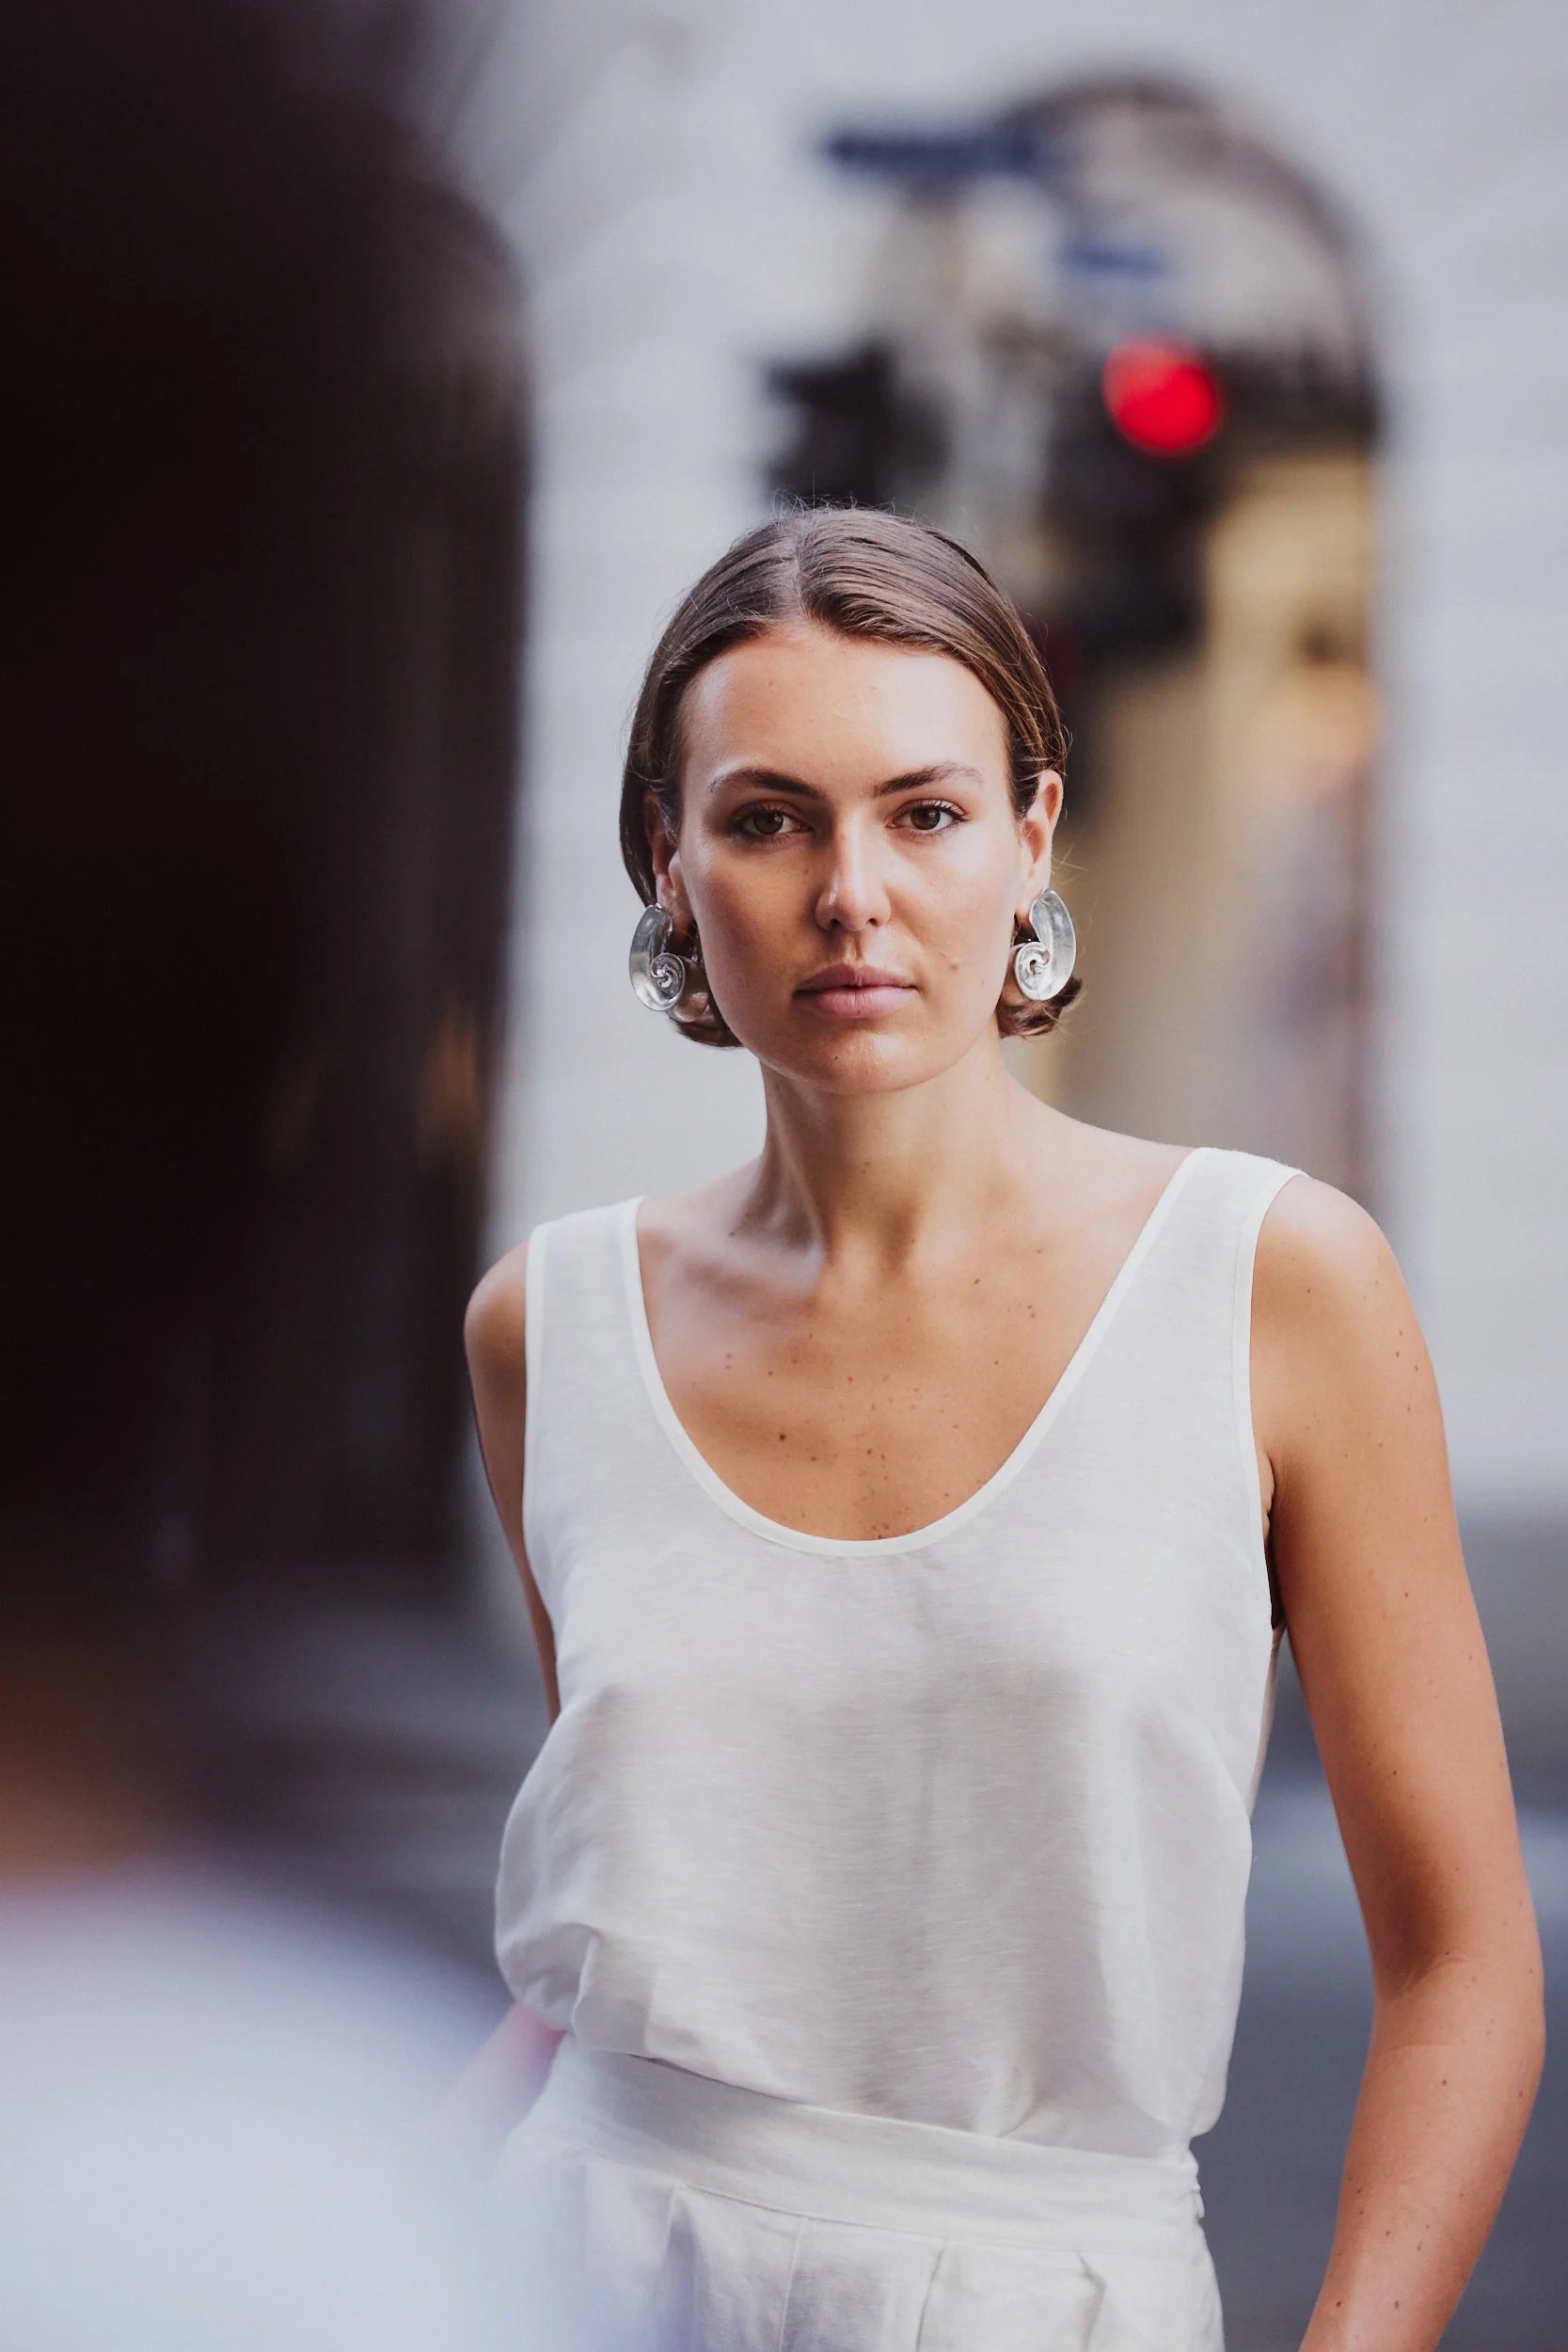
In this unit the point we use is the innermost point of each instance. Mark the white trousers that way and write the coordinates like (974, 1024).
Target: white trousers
(640, 2208)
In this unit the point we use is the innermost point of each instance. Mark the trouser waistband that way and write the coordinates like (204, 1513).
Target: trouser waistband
(879, 2171)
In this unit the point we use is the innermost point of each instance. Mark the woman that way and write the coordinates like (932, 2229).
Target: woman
(884, 1866)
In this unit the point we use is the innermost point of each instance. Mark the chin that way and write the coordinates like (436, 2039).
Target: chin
(857, 1063)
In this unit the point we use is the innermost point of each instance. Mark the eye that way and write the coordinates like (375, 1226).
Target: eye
(937, 808)
(741, 824)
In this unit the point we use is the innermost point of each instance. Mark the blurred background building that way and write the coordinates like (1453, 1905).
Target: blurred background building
(381, 374)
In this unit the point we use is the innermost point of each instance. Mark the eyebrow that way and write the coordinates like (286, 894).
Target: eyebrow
(912, 780)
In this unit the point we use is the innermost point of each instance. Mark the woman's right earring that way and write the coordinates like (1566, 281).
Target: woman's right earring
(658, 975)
(1043, 966)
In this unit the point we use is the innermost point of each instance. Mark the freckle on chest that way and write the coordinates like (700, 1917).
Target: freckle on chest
(842, 1421)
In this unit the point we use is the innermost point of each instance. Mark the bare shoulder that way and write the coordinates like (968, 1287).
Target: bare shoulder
(1316, 1237)
(1330, 1301)
(495, 1320)
(1346, 1401)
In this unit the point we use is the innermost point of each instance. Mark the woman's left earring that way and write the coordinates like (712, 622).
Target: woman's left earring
(658, 975)
(1043, 966)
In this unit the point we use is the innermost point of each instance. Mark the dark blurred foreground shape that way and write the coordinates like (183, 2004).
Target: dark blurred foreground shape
(261, 643)
(265, 483)
(261, 624)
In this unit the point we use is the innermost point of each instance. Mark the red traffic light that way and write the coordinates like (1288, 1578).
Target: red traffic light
(1162, 398)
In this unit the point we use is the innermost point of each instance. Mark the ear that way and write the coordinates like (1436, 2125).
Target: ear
(669, 883)
(1035, 829)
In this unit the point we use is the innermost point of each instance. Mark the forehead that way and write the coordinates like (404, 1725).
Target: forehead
(808, 702)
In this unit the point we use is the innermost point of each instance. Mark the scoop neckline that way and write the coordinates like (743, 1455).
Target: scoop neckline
(874, 1547)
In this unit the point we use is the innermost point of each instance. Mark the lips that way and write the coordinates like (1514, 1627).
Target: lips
(855, 993)
(852, 975)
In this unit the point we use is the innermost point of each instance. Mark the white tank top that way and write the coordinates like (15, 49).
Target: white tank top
(954, 1825)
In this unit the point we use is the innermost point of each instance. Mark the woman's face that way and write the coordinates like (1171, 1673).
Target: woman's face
(847, 811)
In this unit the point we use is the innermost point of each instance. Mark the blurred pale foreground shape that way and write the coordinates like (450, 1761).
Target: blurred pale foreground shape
(213, 2126)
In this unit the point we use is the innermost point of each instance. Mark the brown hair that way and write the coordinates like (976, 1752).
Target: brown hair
(864, 573)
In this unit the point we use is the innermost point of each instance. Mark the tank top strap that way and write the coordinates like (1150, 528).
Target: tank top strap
(1168, 1399)
(1252, 1181)
(583, 1416)
(1196, 1284)
(1203, 1252)
(1199, 1286)
(1233, 1195)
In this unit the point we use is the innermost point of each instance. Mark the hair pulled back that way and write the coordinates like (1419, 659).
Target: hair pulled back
(864, 573)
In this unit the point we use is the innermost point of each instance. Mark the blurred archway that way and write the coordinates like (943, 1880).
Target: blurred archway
(1120, 345)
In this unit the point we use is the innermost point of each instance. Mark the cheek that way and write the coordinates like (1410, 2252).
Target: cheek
(967, 921)
(755, 928)
(748, 905)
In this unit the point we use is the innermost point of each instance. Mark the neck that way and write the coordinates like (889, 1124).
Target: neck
(868, 1178)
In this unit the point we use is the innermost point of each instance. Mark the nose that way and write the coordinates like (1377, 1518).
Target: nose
(853, 894)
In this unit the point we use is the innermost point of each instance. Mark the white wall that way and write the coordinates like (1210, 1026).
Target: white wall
(675, 230)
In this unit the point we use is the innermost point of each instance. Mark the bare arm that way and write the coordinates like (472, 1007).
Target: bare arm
(494, 2089)
(505, 2075)
(493, 1338)
(1394, 1668)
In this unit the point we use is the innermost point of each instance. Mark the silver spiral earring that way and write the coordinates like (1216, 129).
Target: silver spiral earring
(658, 975)
(1043, 966)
